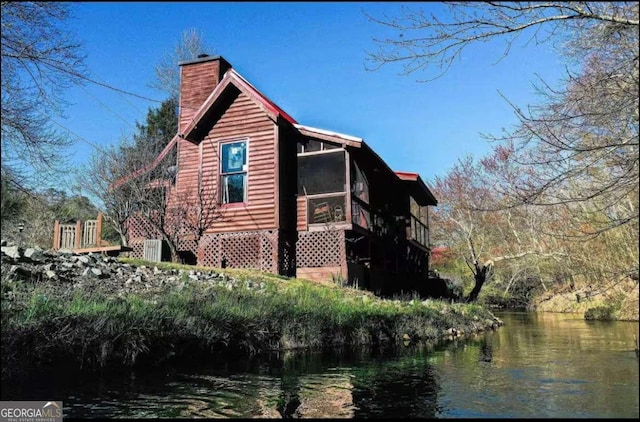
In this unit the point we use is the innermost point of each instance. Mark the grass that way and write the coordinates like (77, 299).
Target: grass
(43, 323)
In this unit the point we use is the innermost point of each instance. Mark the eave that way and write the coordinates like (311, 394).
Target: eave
(418, 189)
(330, 136)
(148, 167)
(232, 78)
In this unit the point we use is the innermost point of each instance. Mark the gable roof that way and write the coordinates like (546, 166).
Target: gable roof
(329, 136)
(231, 77)
(149, 166)
(417, 188)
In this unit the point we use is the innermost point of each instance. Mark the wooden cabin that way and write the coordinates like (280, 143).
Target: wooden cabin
(291, 199)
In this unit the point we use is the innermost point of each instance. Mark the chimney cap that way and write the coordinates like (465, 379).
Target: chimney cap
(203, 58)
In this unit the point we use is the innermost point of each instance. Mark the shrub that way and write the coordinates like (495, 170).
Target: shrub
(601, 313)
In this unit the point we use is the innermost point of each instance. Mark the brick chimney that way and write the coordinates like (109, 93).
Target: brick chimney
(198, 78)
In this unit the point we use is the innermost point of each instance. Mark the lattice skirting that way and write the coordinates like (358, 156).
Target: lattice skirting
(321, 249)
(257, 250)
(138, 250)
(286, 254)
(263, 250)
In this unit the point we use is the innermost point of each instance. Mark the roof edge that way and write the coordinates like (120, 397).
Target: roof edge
(328, 133)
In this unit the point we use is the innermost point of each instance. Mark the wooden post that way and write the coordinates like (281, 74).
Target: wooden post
(99, 230)
(78, 239)
(56, 235)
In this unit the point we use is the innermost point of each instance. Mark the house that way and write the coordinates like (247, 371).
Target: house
(291, 199)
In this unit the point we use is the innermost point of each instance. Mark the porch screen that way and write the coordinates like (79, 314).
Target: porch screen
(321, 173)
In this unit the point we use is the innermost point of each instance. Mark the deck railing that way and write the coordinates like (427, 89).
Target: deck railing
(82, 234)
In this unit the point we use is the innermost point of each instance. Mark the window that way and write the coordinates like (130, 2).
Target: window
(322, 179)
(234, 172)
(310, 145)
(359, 197)
(326, 209)
(321, 173)
(419, 223)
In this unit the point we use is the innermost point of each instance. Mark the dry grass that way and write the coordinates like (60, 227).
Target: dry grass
(621, 296)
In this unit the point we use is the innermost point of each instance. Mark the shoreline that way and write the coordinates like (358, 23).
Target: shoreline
(147, 315)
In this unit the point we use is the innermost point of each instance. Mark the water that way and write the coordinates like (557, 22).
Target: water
(537, 365)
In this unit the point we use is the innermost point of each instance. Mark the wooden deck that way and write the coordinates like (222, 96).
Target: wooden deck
(113, 250)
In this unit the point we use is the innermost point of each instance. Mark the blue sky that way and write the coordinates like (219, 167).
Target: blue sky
(309, 58)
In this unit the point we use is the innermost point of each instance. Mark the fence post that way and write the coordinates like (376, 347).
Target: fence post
(99, 230)
(56, 235)
(78, 239)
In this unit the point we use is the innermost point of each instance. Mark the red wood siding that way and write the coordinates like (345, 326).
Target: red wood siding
(242, 120)
(188, 157)
(301, 213)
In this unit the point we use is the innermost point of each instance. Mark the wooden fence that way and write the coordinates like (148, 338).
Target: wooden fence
(79, 235)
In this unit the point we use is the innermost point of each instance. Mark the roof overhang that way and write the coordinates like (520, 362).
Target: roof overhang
(330, 136)
(148, 167)
(417, 188)
(230, 79)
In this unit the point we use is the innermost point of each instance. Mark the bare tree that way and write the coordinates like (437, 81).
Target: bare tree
(191, 44)
(99, 179)
(174, 216)
(40, 59)
(137, 190)
(426, 41)
(506, 241)
(579, 148)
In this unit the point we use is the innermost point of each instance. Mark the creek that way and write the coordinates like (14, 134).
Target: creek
(536, 365)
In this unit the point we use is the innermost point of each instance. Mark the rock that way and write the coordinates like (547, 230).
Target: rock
(11, 251)
(34, 254)
(93, 272)
(85, 259)
(83, 272)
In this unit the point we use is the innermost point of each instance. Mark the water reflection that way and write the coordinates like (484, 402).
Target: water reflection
(535, 366)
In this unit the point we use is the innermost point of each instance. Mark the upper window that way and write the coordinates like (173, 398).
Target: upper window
(321, 173)
(310, 145)
(234, 172)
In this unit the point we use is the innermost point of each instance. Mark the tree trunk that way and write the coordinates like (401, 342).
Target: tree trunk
(174, 251)
(480, 275)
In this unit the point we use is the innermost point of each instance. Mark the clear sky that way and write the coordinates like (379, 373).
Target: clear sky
(309, 58)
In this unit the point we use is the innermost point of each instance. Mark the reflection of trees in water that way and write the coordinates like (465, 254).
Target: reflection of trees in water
(310, 389)
(289, 397)
(486, 350)
(367, 384)
(405, 389)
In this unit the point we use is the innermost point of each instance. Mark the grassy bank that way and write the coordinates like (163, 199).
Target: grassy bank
(615, 301)
(44, 323)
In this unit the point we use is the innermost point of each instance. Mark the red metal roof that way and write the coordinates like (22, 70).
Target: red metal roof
(404, 175)
(419, 188)
(264, 99)
(148, 167)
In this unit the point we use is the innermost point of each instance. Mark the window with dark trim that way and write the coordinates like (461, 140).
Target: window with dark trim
(321, 173)
(322, 179)
(419, 223)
